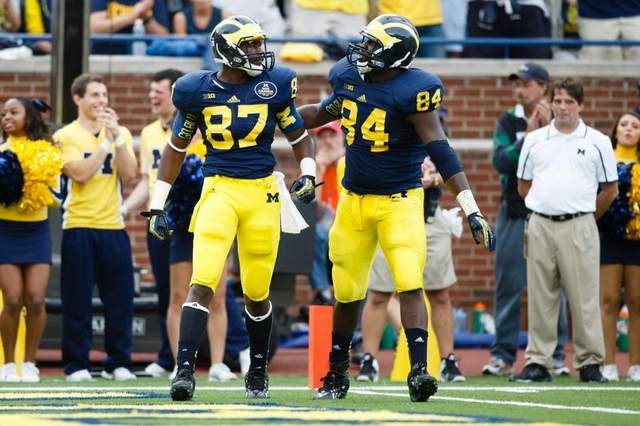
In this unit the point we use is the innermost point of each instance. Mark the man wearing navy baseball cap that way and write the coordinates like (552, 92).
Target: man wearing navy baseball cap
(530, 86)
(530, 71)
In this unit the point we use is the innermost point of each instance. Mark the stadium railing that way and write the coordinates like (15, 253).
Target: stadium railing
(506, 43)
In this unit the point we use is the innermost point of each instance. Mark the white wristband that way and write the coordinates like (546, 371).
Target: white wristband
(308, 166)
(299, 138)
(106, 145)
(160, 194)
(119, 141)
(467, 202)
(175, 148)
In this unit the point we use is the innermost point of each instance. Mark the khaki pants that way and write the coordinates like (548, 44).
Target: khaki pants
(625, 28)
(563, 255)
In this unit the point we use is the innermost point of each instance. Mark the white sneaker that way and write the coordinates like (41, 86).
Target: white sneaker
(8, 373)
(120, 374)
(79, 376)
(633, 375)
(245, 361)
(220, 373)
(559, 369)
(497, 367)
(172, 375)
(610, 372)
(30, 373)
(155, 370)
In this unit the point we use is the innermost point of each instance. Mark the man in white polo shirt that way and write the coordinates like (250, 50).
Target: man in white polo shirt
(559, 170)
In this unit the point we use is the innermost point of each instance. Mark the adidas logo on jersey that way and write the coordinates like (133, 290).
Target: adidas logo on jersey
(419, 340)
(233, 100)
(362, 98)
(336, 347)
(258, 356)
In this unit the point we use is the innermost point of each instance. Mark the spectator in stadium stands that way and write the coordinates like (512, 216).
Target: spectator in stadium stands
(330, 149)
(10, 19)
(609, 20)
(620, 261)
(37, 20)
(25, 248)
(118, 17)
(425, 15)
(530, 86)
(98, 159)
(454, 15)
(559, 170)
(439, 276)
(511, 18)
(265, 12)
(328, 18)
(200, 17)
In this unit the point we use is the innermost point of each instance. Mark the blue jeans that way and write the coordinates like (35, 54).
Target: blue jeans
(511, 278)
(430, 50)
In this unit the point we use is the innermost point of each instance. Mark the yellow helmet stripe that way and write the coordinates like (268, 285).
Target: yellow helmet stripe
(377, 30)
(249, 31)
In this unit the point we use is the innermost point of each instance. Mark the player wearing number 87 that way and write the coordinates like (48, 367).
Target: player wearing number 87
(97, 155)
(237, 110)
(389, 115)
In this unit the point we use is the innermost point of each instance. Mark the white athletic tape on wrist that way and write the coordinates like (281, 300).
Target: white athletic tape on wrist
(467, 202)
(160, 194)
(308, 166)
(302, 136)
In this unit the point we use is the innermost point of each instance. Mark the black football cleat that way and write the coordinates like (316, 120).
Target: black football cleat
(183, 385)
(335, 385)
(421, 385)
(256, 384)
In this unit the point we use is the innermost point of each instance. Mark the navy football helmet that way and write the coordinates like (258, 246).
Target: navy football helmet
(388, 41)
(226, 41)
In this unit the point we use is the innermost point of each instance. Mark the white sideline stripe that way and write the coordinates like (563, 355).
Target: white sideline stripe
(392, 388)
(513, 403)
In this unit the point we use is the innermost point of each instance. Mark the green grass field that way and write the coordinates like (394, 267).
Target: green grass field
(479, 400)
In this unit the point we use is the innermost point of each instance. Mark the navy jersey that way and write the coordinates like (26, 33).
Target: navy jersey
(384, 153)
(237, 121)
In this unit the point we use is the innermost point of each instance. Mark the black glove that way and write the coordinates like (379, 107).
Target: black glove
(158, 224)
(482, 231)
(304, 189)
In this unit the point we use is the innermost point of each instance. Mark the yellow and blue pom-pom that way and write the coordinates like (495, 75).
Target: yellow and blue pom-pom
(619, 214)
(11, 178)
(632, 229)
(185, 193)
(41, 163)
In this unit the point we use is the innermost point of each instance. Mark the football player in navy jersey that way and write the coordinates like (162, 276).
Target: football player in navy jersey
(389, 115)
(237, 110)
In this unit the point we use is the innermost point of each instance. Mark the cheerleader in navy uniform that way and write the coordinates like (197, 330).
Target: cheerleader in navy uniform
(29, 167)
(620, 248)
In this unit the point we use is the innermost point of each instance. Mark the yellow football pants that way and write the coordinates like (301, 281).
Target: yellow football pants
(396, 222)
(248, 209)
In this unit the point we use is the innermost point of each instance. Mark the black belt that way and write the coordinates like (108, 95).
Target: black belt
(562, 217)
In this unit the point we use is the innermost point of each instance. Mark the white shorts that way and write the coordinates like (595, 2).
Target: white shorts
(438, 272)
(318, 23)
(625, 28)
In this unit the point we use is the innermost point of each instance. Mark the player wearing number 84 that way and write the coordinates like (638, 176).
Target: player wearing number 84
(389, 114)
